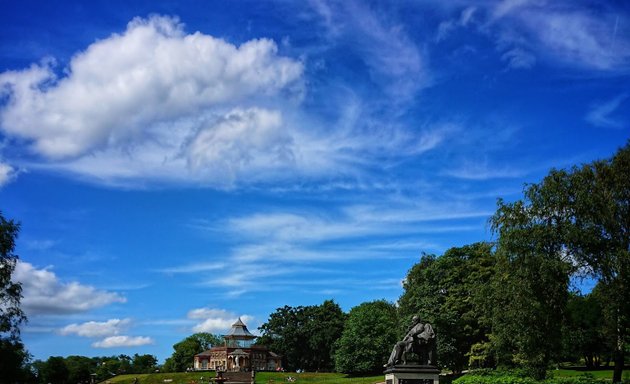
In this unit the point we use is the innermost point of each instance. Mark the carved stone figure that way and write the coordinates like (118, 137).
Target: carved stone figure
(420, 339)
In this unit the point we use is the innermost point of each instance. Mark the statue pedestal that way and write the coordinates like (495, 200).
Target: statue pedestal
(412, 374)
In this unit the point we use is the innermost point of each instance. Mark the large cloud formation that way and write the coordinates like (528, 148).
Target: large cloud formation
(153, 101)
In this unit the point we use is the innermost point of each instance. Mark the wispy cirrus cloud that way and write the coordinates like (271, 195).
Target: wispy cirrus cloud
(279, 246)
(395, 60)
(601, 114)
(484, 171)
(562, 33)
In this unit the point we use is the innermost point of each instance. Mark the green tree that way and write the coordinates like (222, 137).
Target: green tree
(143, 363)
(304, 335)
(283, 334)
(599, 212)
(207, 340)
(324, 327)
(185, 351)
(79, 369)
(13, 356)
(451, 293)
(370, 332)
(55, 371)
(583, 333)
(580, 215)
(13, 360)
(531, 282)
(108, 367)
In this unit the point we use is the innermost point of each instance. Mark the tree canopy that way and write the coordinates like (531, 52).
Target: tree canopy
(450, 292)
(13, 355)
(369, 334)
(185, 350)
(573, 221)
(304, 335)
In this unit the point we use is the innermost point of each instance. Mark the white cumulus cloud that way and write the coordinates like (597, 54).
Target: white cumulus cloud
(215, 320)
(123, 341)
(96, 329)
(44, 294)
(152, 72)
(7, 173)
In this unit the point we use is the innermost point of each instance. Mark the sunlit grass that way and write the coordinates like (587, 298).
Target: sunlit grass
(314, 378)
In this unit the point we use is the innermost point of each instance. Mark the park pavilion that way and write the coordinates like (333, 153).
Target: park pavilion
(238, 353)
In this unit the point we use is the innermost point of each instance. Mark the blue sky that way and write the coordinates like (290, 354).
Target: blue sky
(177, 164)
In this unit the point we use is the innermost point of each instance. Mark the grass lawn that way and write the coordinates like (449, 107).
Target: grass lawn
(307, 377)
(315, 378)
(261, 378)
(159, 378)
(598, 374)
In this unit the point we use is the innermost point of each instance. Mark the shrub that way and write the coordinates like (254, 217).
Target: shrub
(488, 376)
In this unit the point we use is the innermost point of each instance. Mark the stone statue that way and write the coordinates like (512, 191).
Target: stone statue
(420, 339)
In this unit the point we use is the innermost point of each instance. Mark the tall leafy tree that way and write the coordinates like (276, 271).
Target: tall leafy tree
(185, 351)
(580, 215)
(531, 283)
(283, 334)
(599, 210)
(13, 356)
(304, 335)
(325, 323)
(55, 371)
(584, 331)
(370, 332)
(79, 369)
(450, 292)
(143, 363)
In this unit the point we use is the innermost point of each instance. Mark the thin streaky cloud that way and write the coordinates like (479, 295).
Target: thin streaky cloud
(601, 114)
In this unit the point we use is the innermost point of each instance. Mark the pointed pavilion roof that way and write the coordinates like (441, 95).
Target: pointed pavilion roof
(239, 331)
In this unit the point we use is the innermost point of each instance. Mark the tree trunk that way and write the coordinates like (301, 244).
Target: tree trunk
(619, 361)
(619, 351)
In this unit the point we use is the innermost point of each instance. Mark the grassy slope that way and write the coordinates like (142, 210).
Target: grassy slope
(261, 378)
(310, 378)
(158, 378)
(315, 378)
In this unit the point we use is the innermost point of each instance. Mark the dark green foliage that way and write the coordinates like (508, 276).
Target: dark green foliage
(79, 369)
(304, 336)
(584, 334)
(11, 316)
(13, 356)
(486, 376)
(582, 217)
(54, 371)
(451, 293)
(143, 363)
(370, 332)
(13, 359)
(532, 276)
(185, 351)
(600, 237)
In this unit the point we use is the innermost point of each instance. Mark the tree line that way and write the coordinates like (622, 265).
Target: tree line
(507, 303)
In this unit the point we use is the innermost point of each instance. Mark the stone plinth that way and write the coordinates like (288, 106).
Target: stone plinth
(412, 374)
